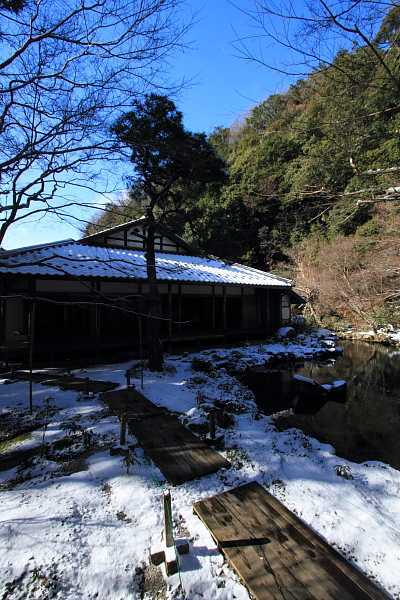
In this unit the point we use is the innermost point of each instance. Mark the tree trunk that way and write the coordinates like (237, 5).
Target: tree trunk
(155, 349)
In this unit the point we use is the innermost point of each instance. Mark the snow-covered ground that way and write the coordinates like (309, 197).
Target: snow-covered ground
(75, 525)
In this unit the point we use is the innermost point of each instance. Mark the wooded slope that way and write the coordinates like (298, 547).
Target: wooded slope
(313, 190)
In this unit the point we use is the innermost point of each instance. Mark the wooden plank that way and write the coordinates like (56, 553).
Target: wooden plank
(327, 557)
(295, 558)
(260, 577)
(180, 443)
(36, 377)
(78, 385)
(251, 528)
(179, 454)
(132, 403)
(253, 543)
(262, 583)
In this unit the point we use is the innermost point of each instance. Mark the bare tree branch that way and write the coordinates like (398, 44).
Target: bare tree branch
(66, 68)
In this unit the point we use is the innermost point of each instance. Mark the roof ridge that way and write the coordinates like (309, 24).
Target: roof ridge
(114, 228)
(36, 247)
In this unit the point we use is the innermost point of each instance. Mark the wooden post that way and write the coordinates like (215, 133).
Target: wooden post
(213, 308)
(31, 342)
(86, 386)
(242, 310)
(97, 333)
(87, 436)
(122, 433)
(128, 377)
(212, 424)
(141, 347)
(168, 533)
(169, 317)
(3, 319)
(95, 319)
(12, 371)
(180, 307)
(224, 313)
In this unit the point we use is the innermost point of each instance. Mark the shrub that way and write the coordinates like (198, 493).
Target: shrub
(202, 364)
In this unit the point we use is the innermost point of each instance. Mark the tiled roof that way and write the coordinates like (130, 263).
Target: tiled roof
(79, 260)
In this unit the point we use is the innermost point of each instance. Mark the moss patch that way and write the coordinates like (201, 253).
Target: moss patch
(6, 444)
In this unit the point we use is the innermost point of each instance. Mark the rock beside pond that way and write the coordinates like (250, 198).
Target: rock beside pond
(337, 391)
(313, 390)
(309, 387)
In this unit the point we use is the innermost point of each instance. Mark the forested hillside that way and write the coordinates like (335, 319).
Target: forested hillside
(314, 187)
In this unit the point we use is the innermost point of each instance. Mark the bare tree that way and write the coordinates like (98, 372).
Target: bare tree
(312, 33)
(66, 67)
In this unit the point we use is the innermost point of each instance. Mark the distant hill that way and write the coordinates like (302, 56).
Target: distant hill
(313, 191)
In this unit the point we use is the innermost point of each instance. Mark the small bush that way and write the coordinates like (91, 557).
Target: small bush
(300, 325)
(202, 364)
(198, 380)
(200, 399)
(224, 420)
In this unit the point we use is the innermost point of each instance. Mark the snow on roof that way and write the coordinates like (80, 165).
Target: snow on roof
(35, 247)
(79, 260)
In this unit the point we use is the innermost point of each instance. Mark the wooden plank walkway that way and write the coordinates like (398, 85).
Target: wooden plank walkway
(131, 403)
(78, 385)
(278, 556)
(178, 453)
(36, 377)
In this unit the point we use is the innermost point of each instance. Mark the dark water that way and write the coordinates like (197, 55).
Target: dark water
(366, 425)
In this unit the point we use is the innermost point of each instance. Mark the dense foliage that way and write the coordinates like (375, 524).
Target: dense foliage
(314, 185)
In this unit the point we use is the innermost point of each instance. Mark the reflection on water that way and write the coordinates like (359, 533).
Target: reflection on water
(366, 427)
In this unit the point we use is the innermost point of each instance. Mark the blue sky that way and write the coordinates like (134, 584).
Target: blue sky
(228, 86)
(225, 88)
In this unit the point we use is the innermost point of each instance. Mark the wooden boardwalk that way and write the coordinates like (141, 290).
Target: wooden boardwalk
(131, 403)
(178, 453)
(79, 385)
(278, 556)
(36, 377)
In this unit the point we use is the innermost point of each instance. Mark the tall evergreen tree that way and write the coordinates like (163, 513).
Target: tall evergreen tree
(165, 157)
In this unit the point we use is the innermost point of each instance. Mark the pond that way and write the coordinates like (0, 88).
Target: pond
(365, 426)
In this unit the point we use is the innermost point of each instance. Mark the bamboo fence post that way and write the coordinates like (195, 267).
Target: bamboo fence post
(168, 533)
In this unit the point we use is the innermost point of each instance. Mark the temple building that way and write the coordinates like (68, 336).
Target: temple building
(89, 298)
